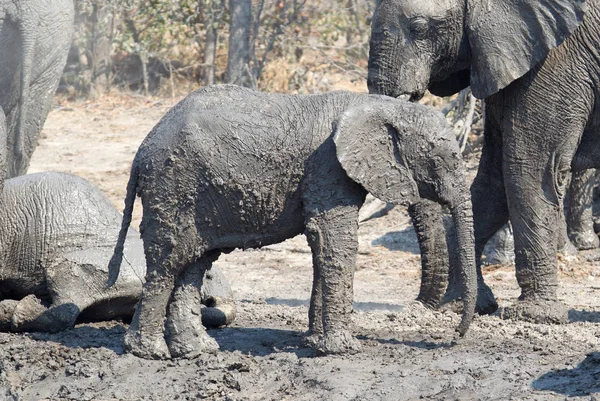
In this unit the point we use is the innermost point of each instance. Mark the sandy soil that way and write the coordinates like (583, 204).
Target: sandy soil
(409, 352)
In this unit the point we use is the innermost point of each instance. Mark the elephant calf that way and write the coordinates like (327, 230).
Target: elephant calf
(230, 167)
(57, 235)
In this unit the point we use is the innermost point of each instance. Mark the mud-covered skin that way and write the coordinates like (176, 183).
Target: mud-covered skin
(540, 78)
(230, 167)
(58, 235)
(35, 37)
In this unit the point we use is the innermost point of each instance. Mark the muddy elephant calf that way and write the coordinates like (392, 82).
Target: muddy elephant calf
(230, 167)
(57, 235)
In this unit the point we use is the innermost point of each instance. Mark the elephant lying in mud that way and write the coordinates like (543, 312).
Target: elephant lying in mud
(57, 234)
(229, 167)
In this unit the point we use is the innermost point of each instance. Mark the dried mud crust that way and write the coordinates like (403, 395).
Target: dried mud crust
(407, 351)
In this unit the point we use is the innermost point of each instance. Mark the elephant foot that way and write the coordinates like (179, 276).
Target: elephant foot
(188, 338)
(7, 308)
(147, 347)
(432, 302)
(486, 302)
(191, 345)
(338, 343)
(312, 340)
(584, 241)
(26, 310)
(538, 311)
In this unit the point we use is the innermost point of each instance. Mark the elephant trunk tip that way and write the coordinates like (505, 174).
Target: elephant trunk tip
(465, 322)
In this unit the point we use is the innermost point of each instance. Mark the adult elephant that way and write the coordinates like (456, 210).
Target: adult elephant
(537, 65)
(35, 36)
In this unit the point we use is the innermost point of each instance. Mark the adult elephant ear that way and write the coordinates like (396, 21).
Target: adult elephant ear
(509, 37)
(366, 139)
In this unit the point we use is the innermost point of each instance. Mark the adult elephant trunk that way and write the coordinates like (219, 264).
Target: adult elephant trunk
(28, 23)
(462, 216)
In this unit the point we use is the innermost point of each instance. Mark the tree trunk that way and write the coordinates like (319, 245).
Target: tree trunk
(100, 48)
(210, 50)
(238, 57)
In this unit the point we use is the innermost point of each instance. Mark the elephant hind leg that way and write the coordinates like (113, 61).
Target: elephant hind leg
(185, 333)
(169, 248)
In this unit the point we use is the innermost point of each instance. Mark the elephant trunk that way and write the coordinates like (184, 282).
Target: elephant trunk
(218, 312)
(462, 217)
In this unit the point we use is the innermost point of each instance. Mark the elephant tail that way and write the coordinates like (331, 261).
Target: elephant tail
(114, 266)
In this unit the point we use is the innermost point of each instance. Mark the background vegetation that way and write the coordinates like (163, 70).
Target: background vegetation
(170, 47)
(157, 46)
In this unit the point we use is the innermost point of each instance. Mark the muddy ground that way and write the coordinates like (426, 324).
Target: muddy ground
(409, 352)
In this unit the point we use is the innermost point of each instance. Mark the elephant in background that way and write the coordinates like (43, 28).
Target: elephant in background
(57, 234)
(229, 167)
(35, 37)
(535, 62)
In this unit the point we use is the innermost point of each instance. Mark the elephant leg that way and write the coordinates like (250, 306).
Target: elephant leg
(578, 206)
(332, 236)
(535, 218)
(431, 234)
(169, 248)
(185, 334)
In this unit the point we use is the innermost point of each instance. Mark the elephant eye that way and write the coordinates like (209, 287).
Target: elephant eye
(419, 27)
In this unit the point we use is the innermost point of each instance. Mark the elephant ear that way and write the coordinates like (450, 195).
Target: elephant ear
(367, 148)
(509, 37)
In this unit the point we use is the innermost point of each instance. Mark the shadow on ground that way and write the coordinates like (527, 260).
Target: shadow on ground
(358, 306)
(261, 341)
(584, 316)
(403, 241)
(579, 381)
(86, 336)
(415, 343)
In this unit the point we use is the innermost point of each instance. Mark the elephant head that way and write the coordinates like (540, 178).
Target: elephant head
(401, 152)
(447, 45)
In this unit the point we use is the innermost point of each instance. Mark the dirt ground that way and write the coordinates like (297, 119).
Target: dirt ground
(409, 352)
